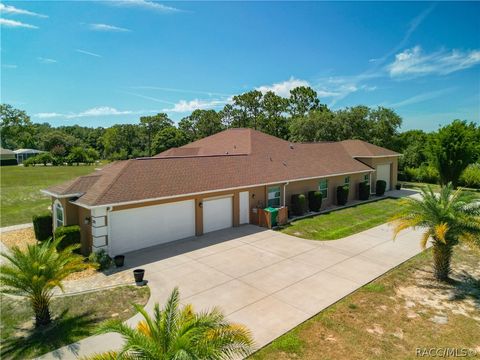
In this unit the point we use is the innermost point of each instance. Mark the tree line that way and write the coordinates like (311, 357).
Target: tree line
(301, 117)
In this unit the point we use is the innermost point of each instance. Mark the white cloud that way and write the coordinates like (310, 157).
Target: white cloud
(16, 24)
(48, 115)
(145, 4)
(107, 28)
(188, 106)
(93, 112)
(421, 98)
(414, 62)
(283, 88)
(88, 53)
(46, 60)
(9, 9)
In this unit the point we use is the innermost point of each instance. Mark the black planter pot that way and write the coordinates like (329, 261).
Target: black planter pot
(138, 275)
(119, 260)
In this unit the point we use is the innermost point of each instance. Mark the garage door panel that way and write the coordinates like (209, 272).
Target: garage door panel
(383, 173)
(151, 225)
(217, 214)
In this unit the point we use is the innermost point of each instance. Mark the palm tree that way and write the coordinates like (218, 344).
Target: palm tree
(36, 272)
(179, 333)
(447, 219)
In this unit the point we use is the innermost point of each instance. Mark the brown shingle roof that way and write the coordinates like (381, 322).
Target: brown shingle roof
(230, 159)
(359, 148)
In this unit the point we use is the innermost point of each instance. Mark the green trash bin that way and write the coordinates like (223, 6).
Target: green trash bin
(273, 215)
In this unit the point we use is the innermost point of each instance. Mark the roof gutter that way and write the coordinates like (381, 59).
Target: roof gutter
(61, 196)
(216, 190)
(377, 156)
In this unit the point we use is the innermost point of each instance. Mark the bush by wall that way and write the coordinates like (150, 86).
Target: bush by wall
(342, 194)
(70, 234)
(363, 191)
(101, 258)
(314, 200)
(380, 187)
(42, 226)
(298, 204)
(471, 176)
(8, 162)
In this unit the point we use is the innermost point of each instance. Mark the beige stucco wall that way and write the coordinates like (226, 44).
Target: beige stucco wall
(373, 162)
(304, 186)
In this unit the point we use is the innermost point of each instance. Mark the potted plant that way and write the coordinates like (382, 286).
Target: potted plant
(119, 260)
(380, 187)
(138, 274)
(398, 186)
(342, 194)
(363, 191)
(314, 200)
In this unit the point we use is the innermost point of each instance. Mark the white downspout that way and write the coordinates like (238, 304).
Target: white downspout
(285, 192)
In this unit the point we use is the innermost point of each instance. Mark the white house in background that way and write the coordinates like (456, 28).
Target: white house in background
(24, 154)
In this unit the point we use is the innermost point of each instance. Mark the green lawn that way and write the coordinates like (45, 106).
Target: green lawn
(393, 316)
(20, 189)
(345, 222)
(472, 194)
(75, 317)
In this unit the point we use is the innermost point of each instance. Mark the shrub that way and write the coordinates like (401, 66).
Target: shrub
(314, 200)
(101, 258)
(70, 236)
(363, 191)
(298, 204)
(471, 176)
(342, 194)
(8, 162)
(30, 161)
(380, 187)
(42, 226)
(424, 173)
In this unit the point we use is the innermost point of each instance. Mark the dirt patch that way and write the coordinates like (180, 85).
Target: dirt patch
(459, 296)
(24, 237)
(20, 238)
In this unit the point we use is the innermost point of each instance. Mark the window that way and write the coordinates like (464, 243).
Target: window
(366, 178)
(323, 188)
(347, 180)
(58, 214)
(274, 196)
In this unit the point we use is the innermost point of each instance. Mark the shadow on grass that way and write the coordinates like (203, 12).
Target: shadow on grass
(63, 330)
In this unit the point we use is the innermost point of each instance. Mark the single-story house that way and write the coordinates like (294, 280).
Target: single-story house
(7, 157)
(210, 184)
(24, 154)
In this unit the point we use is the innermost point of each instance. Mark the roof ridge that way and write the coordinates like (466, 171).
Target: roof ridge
(114, 180)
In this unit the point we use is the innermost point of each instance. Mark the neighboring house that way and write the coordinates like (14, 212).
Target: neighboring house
(7, 157)
(207, 185)
(24, 154)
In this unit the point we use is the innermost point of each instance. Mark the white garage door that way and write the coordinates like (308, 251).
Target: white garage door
(383, 173)
(138, 228)
(217, 214)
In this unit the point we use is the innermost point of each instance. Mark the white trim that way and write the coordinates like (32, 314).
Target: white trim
(55, 214)
(46, 192)
(376, 156)
(217, 190)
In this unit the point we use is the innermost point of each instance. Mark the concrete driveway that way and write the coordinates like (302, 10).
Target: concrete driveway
(268, 281)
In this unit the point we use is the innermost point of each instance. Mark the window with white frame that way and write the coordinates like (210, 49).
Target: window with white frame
(347, 180)
(274, 196)
(323, 188)
(366, 178)
(59, 216)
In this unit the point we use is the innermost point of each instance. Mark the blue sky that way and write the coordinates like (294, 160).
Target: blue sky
(100, 63)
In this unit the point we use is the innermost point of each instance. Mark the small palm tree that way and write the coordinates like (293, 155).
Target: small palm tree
(179, 333)
(36, 272)
(447, 219)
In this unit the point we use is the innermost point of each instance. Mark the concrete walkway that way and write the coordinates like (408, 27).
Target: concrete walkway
(269, 281)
